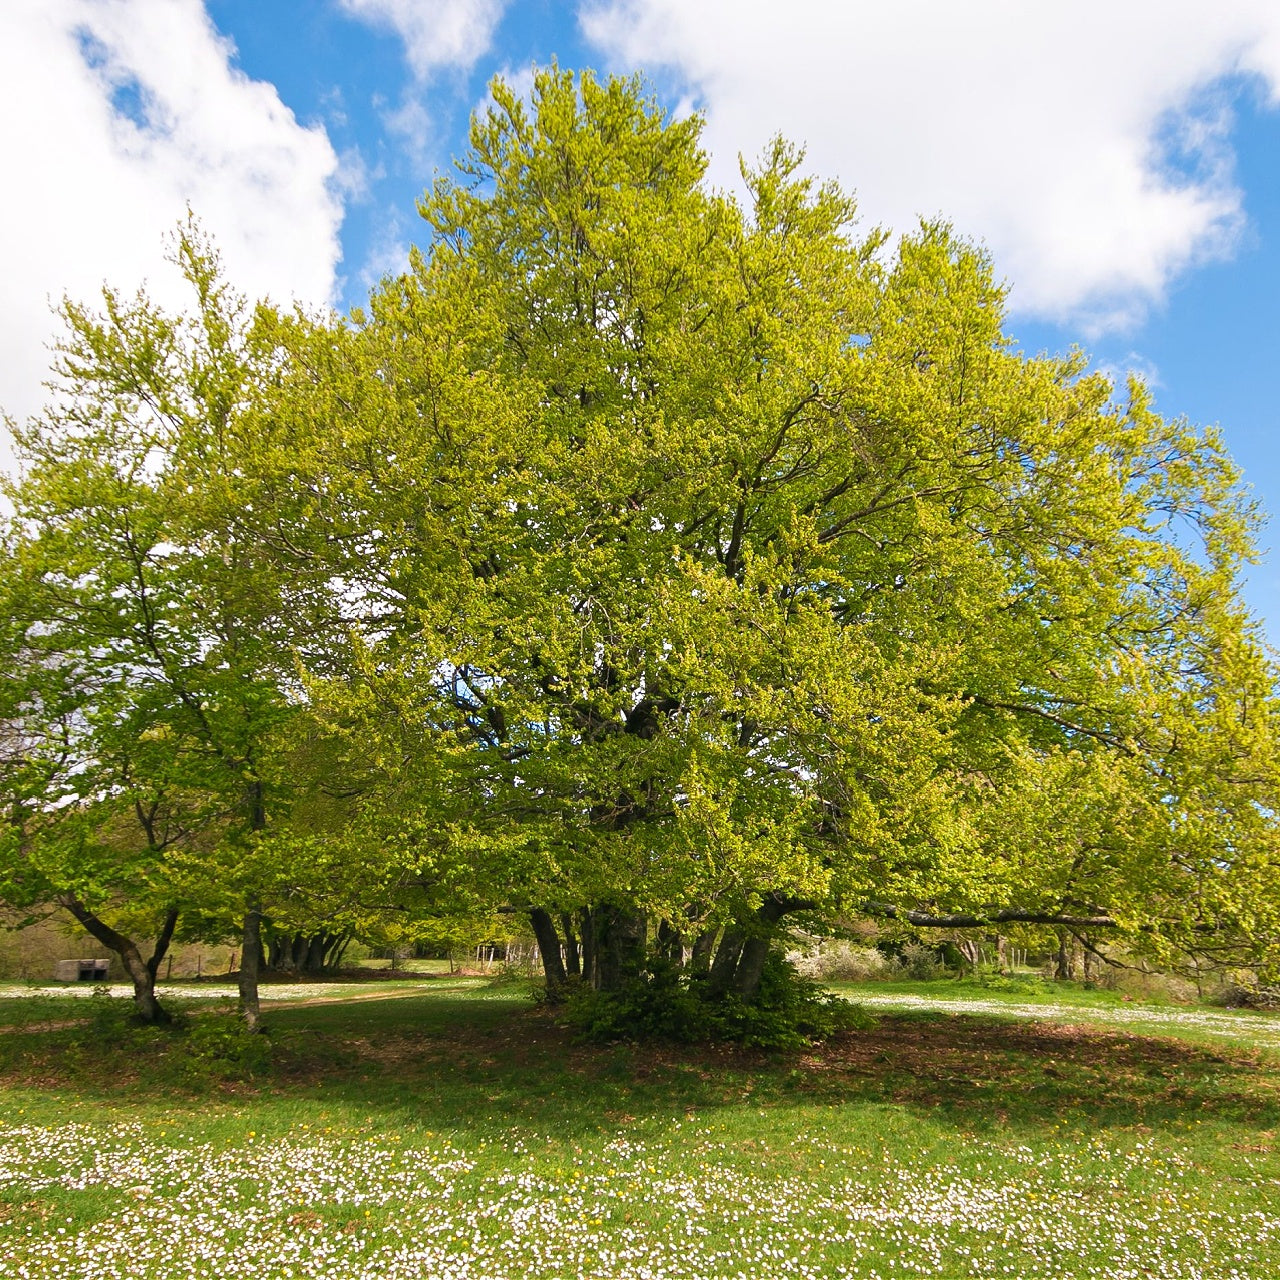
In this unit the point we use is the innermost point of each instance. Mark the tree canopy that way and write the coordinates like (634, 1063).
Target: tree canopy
(651, 561)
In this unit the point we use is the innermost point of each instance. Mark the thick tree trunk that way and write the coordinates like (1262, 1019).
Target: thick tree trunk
(619, 936)
(755, 951)
(700, 954)
(302, 952)
(670, 943)
(740, 958)
(1066, 969)
(544, 930)
(142, 973)
(746, 978)
(725, 964)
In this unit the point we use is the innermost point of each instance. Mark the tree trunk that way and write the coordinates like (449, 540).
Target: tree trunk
(725, 964)
(311, 953)
(619, 936)
(588, 936)
(544, 930)
(142, 973)
(1065, 968)
(572, 954)
(670, 943)
(162, 943)
(755, 950)
(251, 948)
(700, 955)
(250, 965)
(746, 979)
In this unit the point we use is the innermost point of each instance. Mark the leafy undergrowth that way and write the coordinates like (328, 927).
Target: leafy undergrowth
(456, 1135)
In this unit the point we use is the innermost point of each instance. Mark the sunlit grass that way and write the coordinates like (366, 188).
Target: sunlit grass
(1193, 1023)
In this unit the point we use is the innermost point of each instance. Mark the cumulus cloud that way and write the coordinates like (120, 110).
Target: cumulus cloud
(436, 33)
(1087, 144)
(119, 114)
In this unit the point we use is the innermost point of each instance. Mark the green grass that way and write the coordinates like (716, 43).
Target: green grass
(454, 1130)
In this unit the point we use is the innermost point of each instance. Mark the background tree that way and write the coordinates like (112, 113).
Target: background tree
(92, 813)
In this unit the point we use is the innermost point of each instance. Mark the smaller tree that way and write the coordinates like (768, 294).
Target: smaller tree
(90, 829)
(143, 598)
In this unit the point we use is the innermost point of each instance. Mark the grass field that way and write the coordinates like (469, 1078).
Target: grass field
(451, 1129)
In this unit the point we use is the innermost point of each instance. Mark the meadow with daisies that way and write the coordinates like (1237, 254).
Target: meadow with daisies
(453, 1130)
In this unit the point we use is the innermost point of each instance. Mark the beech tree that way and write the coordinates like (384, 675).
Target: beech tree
(718, 563)
(149, 638)
(89, 833)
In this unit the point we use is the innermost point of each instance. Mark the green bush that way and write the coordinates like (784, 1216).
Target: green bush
(921, 963)
(109, 1018)
(662, 1003)
(1011, 982)
(221, 1048)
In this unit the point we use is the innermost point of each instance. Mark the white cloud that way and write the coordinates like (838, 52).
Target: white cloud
(388, 252)
(1083, 142)
(436, 33)
(118, 115)
(412, 125)
(353, 178)
(1132, 365)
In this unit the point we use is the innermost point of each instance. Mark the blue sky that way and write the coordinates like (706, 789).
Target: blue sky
(1121, 160)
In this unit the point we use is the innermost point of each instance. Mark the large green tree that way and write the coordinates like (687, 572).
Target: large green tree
(713, 561)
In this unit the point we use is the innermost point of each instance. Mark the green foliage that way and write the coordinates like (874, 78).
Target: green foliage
(722, 554)
(217, 1048)
(664, 1003)
(640, 546)
(1022, 983)
(109, 1017)
(922, 963)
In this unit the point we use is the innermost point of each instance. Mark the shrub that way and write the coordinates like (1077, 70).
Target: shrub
(1250, 995)
(921, 963)
(221, 1048)
(662, 1003)
(839, 960)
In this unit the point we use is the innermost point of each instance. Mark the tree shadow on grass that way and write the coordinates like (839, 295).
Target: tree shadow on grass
(488, 1065)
